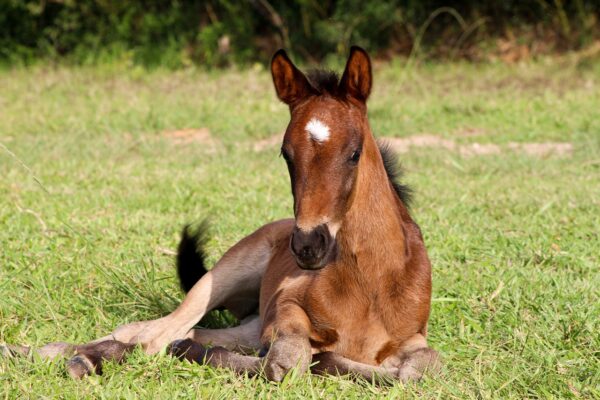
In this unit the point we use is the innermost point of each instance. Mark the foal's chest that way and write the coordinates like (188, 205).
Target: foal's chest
(349, 323)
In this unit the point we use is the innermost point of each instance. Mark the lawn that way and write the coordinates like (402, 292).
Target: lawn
(102, 166)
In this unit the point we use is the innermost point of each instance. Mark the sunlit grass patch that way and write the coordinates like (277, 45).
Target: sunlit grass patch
(95, 190)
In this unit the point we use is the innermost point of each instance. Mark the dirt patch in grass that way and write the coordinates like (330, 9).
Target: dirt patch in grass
(403, 145)
(479, 149)
(470, 132)
(268, 143)
(541, 149)
(192, 136)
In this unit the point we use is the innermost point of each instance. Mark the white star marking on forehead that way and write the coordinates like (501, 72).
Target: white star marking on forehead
(317, 130)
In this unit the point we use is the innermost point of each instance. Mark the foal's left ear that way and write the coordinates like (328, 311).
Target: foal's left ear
(357, 79)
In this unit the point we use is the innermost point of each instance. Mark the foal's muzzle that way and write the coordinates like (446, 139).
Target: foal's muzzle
(313, 249)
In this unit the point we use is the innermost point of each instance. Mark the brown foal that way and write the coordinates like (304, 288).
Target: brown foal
(345, 286)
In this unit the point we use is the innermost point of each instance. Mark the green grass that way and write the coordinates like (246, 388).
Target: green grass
(92, 192)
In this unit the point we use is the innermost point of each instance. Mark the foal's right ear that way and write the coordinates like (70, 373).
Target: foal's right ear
(290, 84)
(357, 78)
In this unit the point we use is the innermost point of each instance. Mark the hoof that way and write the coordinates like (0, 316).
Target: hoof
(419, 363)
(89, 359)
(283, 356)
(275, 372)
(187, 349)
(80, 366)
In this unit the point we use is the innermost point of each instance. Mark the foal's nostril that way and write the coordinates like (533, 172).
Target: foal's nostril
(307, 252)
(322, 239)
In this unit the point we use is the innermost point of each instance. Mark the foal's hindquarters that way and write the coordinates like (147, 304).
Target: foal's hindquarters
(234, 283)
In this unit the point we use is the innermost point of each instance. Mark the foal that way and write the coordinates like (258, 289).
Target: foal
(345, 284)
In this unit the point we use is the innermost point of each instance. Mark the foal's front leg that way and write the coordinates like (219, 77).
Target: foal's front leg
(409, 367)
(287, 337)
(244, 338)
(217, 357)
(88, 358)
(410, 363)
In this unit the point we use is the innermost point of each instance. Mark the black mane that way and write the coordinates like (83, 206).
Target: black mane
(394, 172)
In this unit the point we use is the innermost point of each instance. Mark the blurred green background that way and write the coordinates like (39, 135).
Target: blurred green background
(215, 33)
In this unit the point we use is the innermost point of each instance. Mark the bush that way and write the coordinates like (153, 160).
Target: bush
(219, 32)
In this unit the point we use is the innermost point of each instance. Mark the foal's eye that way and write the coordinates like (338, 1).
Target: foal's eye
(285, 156)
(355, 157)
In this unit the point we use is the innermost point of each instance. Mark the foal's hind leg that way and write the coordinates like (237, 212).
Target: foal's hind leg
(89, 357)
(217, 357)
(47, 352)
(83, 360)
(244, 338)
(235, 279)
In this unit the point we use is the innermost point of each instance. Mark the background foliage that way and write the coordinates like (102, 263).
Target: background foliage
(177, 33)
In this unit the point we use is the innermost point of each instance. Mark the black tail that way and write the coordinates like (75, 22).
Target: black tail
(191, 255)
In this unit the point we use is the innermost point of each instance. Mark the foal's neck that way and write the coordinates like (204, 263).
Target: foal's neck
(372, 231)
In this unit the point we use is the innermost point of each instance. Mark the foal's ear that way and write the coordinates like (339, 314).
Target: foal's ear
(290, 84)
(357, 79)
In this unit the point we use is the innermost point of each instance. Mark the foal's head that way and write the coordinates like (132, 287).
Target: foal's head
(323, 145)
